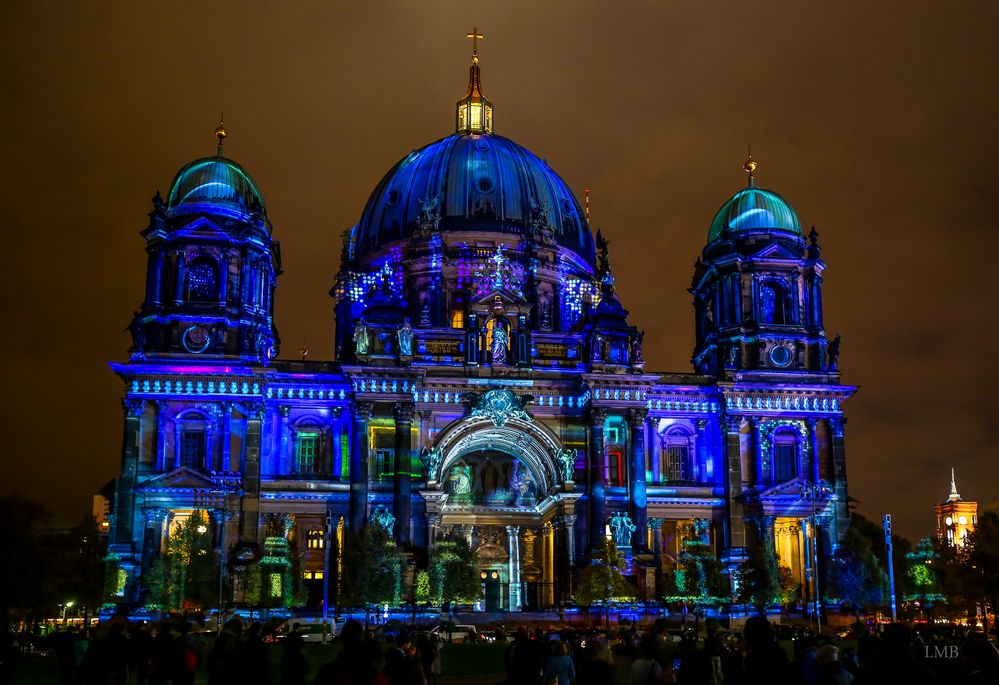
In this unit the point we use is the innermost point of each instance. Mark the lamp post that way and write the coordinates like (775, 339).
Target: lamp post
(226, 483)
(812, 490)
(65, 606)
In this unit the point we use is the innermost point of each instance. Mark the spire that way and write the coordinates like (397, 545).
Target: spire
(474, 112)
(954, 495)
(221, 133)
(750, 167)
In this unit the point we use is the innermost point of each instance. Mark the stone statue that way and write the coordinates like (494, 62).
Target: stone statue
(622, 528)
(384, 518)
(567, 462)
(430, 214)
(597, 350)
(362, 337)
(636, 348)
(500, 342)
(462, 480)
(833, 352)
(431, 458)
(405, 337)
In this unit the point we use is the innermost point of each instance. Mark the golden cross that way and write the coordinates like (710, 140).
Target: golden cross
(474, 35)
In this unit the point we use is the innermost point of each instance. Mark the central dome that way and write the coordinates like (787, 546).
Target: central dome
(473, 182)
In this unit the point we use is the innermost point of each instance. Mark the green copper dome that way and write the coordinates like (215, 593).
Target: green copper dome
(215, 181)
(754, 208)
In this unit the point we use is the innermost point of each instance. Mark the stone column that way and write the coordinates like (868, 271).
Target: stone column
(701, 451)
(401, 483)
(548, 542)
(837, 454)
(656, 525)
(595, 487)
(162, 407)
(433, 529)
(567, 530)
(513, 567)
(810, 455)
(757, 475)
(281, 459)
(735, 527)
(638, 501)
(358, 509)
(226, 438)
(124, 508)
(250, 522)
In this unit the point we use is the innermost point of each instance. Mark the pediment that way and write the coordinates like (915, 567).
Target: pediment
(182, 478)
(200, 227)
(776, 251)
(508, 298)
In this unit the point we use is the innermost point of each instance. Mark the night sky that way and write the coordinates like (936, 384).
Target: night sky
(877, 121)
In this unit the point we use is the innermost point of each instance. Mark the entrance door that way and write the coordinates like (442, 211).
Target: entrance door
(494, 592)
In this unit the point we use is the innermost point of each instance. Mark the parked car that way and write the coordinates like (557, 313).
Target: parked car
(311, 630)
(459, 633)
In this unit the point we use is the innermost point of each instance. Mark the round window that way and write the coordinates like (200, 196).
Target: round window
(485, 184)
(780, 355)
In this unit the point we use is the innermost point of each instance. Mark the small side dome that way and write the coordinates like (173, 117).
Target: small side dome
(754, 209)
(216, 181)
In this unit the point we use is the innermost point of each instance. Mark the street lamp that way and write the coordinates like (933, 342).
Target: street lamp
(226, 483)
(65, 606)
(812, 490)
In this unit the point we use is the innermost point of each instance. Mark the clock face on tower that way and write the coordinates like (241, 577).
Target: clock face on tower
(781, 355)
(197, 339)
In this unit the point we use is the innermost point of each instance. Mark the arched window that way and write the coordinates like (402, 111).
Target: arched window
(785, 455)
(202, 284)
(675, 463)
(772, 304)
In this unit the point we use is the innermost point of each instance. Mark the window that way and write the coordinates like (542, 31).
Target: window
(785, 455)
(458, 318)
(383, 464)
(615, 467)
(772, 303)
(675, 465)
(307, 456)
(315, 538)
(193, 446)
(201, 282)
(312, 575)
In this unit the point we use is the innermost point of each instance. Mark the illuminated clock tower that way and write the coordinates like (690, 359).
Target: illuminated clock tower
(956, 518)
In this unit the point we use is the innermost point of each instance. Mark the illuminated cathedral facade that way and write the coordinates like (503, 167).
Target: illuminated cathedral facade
(487, 382)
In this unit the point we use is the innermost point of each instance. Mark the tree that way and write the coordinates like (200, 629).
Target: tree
(790, 588)
(922, 570)
(698, 575)
(22, 580)
(856, 578)
(982, 563)
(758, 582)
(372, 568)
(454, 578)
(602, 580)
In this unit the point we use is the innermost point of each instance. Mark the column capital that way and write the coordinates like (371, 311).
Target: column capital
(811, 422)
(404, 412)
(434, 519)
(512, 532)
(132, 407)
(567, 521)
(284, 410)
(363, 410)
(596, 416)
(656, 524)
(636, 416)
(732, 423)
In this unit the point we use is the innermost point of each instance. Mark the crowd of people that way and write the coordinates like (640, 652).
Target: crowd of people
(174, 653)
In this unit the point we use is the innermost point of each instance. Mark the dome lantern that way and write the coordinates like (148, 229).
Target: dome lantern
(473, 112)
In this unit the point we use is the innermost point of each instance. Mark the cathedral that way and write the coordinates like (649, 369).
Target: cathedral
(487, 382)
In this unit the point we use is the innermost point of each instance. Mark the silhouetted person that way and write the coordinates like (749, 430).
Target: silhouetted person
(765, 662)
(353, 665)
(559, 666)
(294, 665)
(592, 669)
(223, 668)
(830, 670)
(695, 664)
(892, 660)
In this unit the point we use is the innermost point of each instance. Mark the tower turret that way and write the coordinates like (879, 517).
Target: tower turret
(757, 289)
(212, 267)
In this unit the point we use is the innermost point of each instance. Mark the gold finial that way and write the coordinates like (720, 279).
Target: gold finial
(475, 35)
(221, 133)
(304, 351)
(750, 166)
